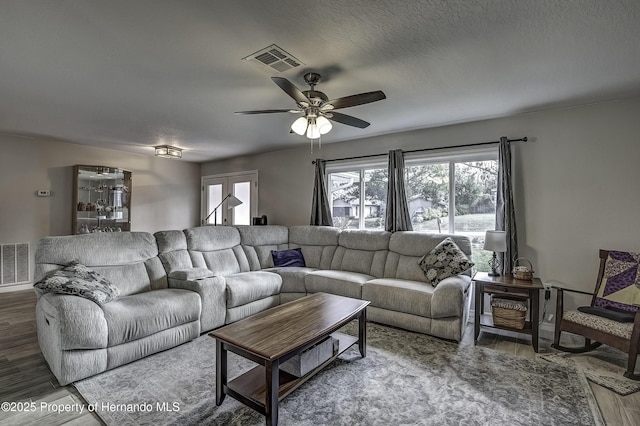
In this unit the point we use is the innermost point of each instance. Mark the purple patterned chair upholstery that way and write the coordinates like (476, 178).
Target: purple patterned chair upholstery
(613, 318)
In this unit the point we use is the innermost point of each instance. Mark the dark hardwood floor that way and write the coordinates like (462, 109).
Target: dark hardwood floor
(25, 376)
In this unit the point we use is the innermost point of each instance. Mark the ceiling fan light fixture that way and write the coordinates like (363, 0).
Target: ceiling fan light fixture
(300, 125)
(312, 131)
(324, 125)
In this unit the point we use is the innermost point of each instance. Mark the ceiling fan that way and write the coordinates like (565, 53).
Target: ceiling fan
(317, 109)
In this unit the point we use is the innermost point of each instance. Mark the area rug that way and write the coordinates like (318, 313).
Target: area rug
(406, 379)
(603, 366)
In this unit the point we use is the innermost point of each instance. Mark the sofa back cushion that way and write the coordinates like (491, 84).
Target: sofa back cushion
(172, 250)
(318, 244)
(129, 260)
(258, 241)
(216, 248)
(362, 251)
(407, 248)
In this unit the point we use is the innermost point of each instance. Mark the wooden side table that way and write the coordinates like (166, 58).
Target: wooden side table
(512, 288)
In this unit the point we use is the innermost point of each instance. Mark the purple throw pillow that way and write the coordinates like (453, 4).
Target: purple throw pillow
(285, 258)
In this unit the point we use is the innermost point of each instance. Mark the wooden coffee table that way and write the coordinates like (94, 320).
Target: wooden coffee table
(271, 337)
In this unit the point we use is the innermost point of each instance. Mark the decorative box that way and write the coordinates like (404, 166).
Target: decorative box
(311, 358)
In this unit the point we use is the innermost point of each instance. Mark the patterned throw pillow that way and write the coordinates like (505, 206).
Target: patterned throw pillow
(620, 287)
(77, 279)
(444, 261)
(285, 258)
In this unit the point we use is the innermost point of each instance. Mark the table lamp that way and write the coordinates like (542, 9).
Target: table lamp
(495, 241)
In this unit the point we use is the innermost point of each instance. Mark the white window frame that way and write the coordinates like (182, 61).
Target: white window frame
(464, 155)
(421, 158)
(357, 165)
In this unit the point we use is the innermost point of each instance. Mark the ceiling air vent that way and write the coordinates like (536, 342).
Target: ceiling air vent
(273, 58)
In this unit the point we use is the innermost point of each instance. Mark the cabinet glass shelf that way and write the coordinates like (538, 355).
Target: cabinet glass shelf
(101, 199)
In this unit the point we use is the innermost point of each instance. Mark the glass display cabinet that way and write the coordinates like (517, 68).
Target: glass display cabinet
(101, 199)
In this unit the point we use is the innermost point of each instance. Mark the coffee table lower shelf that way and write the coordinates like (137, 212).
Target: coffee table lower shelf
(250, 385)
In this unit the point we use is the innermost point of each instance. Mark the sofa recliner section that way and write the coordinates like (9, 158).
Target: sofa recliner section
(218, 249)
(80, 338)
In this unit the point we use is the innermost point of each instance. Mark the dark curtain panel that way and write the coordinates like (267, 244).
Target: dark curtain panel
(505, 209)
(397, 215)
(320, 211)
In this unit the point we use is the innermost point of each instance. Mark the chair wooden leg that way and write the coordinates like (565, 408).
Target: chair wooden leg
(631, 365)
(633, 350)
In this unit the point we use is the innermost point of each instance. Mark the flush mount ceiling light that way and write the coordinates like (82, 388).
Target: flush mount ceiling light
(168, 151)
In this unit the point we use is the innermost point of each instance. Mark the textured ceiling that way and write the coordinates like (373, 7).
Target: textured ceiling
(129, 74)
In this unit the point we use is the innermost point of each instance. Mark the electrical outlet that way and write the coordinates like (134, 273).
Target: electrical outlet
(549, 318)
(547, 294)
(43, 193)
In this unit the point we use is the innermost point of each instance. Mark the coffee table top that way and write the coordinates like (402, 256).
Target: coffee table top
(277, 331)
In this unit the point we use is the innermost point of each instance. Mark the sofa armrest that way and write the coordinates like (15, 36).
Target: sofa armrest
(79, 323)
(449, 297)
(191, 274)
(212, 291)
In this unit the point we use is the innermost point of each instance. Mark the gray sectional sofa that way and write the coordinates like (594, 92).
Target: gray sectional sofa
(176, 285)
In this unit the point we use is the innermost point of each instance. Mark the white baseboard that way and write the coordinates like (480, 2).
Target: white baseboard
(18, 287)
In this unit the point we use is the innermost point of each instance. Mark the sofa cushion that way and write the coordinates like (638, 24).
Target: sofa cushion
(288, 258)
(191, 274)
(172, 250)
(247, 287)
(258, 242)
(444, 261)
(362, 251)
(293, 278)
(127, 259)
(212, 238)
(318, 244)
(76, 279)
(140, 315)
(406, 248)
(342, 283)
(411, 297)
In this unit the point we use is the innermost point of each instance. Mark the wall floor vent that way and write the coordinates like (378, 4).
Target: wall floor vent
(273, 58)
(14, 263)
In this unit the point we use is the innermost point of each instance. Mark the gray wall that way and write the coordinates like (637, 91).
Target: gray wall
(165, 192)
(576, 180)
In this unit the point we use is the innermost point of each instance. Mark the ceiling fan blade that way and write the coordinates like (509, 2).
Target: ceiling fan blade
(347, 119)
(291, 90)
(353, 100)
(268, 111)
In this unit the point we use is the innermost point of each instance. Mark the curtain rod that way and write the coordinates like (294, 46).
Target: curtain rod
(524, 139)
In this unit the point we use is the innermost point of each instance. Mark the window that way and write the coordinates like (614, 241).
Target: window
(351, 211)
(463, 183)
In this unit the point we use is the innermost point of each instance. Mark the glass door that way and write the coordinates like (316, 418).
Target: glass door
(215, 189)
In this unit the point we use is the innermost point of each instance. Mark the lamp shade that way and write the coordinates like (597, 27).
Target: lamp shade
(495, 241)
(300, 125)
(312, 131)
(324, 125)
(232, 201)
